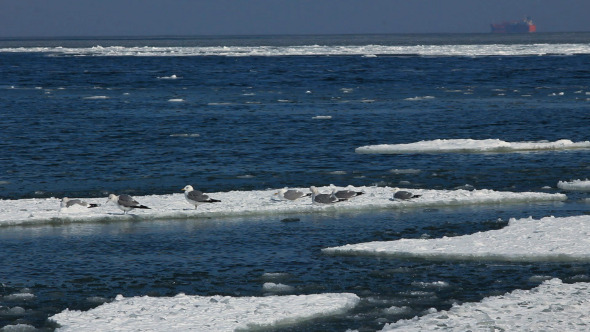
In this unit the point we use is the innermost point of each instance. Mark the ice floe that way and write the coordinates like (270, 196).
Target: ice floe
(527, 239)
(472, 146)
(256, 202)
(552, 306)
(575, 185)
(204, 313)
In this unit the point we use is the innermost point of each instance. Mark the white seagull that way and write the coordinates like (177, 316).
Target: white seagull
(290, 194)
(403, 195)
(316, 197)
(346, 194)
(196, 197)
(125, 202)
(66, 203)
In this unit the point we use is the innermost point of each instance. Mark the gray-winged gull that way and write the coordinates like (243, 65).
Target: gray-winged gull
(346, 194)
(290, 194)
(316, 197)
(66, 203)
(196, 197)
(125, 202)
(403, 195)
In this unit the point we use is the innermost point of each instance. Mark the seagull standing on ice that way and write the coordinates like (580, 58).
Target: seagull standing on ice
(403, 195)
(66, 203)
(125, 202)
(346, 194)
(316, 197)
(196, 197)
(290, 194)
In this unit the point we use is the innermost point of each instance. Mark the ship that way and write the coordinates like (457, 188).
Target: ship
(524, 26)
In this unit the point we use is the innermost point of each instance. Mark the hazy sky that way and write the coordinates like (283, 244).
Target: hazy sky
(39, 18)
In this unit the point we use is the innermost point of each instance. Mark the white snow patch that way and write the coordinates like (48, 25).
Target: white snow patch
(19, 297)
(277, 288)
(575, 185)
(204, 313)
(171, 77)
(547, 239)
(471, 146)
(419, 98)
(257, 202)
(552, 306)
(395, 310)
(19, 328)
(435, 284)
(405, 171)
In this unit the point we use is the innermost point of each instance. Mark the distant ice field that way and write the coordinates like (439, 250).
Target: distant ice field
(317, 50)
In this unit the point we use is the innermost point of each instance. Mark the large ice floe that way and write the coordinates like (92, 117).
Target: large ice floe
(574, 185)
(552, 306)
(204, 313)
(244, 203)
(472, 146)
(547, 239)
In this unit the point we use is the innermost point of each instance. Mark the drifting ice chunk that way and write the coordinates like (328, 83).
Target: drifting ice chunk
(553, 306)
(203, 313)
(471, 146)
(548, 239)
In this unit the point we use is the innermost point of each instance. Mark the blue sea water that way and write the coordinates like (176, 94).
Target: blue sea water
(83, 118)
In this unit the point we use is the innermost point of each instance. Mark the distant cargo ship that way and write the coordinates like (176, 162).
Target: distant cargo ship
(524, 26)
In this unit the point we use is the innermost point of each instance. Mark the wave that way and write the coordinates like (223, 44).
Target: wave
(523, 240)
(246, 203)
(368, 51)
(472, 146)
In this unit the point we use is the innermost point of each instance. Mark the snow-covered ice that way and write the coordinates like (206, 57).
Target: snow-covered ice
(552, 306)
(574, 185)
(244, 203)
(547, 239)
(204, 313)
(472, 146)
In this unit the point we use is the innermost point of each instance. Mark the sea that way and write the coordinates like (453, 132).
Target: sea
(85, 117)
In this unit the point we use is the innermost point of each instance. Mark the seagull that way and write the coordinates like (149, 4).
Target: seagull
(125, 202)
(290, 194)
(196, 197)
(66, 203)
(403, 195)
(346, 194)
(316, 197)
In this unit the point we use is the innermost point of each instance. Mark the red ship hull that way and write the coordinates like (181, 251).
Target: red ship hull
(524, 26)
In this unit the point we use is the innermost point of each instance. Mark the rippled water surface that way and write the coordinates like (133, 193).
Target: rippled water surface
(79, 266)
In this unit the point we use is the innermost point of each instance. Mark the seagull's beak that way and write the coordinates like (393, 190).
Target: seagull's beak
(182, 189)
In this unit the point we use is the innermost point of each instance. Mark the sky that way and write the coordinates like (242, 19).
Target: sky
(74, 18)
